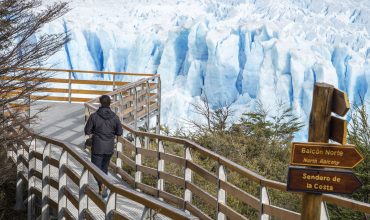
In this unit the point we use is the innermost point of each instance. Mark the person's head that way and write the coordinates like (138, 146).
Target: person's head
(104, 101)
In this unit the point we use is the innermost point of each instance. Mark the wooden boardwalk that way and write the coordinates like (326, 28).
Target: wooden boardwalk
(56, 168)
(62, 121)
(65, 122)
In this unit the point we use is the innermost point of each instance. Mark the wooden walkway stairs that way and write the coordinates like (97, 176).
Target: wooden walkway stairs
(152, 176)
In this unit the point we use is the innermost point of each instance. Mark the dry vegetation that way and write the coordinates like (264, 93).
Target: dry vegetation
(21, 46)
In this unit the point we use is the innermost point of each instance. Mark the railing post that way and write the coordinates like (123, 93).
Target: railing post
(111, 205)
(29, 108)
(146, 142)
(188, 176)
(114, 81)
(324, 215)
(3, 119)
(147, 106)
(45, 213)
(19, 190)
(221, 194)
(135, 108)
(115, 109)
(69, 86)
(87, 113)
(83, 199)
(138, 174)
(62, 199)
(119, 150)
(31, 196)
(264, 199)
(158, 122)
(120, 113)
(160, 167)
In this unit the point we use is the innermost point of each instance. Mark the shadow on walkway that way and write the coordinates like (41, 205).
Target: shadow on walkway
(63, 121)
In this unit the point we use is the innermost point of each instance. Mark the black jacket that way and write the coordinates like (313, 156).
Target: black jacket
(104, 124)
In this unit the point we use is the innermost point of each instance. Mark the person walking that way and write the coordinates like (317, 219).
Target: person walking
(104, 125)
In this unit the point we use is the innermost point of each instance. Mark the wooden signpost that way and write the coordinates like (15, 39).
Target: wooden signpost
(320, 157)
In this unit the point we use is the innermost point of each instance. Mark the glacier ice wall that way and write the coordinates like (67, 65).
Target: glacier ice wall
(234, 51)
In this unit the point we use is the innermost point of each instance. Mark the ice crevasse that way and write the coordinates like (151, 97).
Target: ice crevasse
(233, 51)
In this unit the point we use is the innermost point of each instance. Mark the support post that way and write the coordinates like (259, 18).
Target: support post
(138, 174)
(148, 214)
(158, 122)
(147, 97)
(29, 109)
(120, 113)
(160, 167)
(264, 200)
(31, 183)
(319, 131)
(45, 211)
(19, 190)
(135, 108)
(324, 212)
(221, 194)
(3, 120)
(119, 150)
(69, 86)
(188, 176)
(111, 205)
(62, 199)
(114, 81)
(83, 199)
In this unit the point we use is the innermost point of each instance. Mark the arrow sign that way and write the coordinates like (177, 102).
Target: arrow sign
(338, 130)
(340, 104)
(325, 155)
(322, 181)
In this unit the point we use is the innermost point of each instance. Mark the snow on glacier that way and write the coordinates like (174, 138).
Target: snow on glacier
(234, 51)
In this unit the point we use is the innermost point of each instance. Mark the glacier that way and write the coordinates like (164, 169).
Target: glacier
(242, 52)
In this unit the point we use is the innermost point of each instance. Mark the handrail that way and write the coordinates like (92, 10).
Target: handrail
(68, 91)
(135, 103)
(115, 186)
(86, 71)
(333, 199)
(265, 207)
(120, 89)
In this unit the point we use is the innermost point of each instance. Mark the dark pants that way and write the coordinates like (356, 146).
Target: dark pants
(102, 162)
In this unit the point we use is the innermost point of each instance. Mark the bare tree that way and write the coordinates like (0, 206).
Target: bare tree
(22, 46)
(216, 119)
(204, 110)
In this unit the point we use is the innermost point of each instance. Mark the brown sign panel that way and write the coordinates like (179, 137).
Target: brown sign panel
(340, 104)
(325, 155)
(338, 130)
(322, 181)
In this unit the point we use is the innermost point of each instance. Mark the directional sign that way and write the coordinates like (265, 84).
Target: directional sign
(338, 127)
(325, 155)
(338, 130)
(322, 181)
(340, 104)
